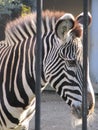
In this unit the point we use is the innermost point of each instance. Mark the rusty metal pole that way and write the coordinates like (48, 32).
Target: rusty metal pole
(85, 55)
(38, 64)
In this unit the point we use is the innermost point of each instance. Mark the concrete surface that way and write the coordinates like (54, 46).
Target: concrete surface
(56, 115)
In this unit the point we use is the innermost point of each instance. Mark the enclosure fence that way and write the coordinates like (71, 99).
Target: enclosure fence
(38, 65)
(85, 55)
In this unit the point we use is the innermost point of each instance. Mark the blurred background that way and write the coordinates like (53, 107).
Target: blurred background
(11, 9)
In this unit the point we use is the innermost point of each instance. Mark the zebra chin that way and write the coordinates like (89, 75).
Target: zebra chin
(77, 111)
(77, 106)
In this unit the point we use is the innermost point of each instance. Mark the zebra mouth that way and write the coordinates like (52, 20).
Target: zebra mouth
(77, 111)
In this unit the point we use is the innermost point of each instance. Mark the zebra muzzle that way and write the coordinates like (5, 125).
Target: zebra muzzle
(90, 104)
(77, 111)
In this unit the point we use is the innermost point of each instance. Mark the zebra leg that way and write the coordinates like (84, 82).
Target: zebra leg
(30, 111)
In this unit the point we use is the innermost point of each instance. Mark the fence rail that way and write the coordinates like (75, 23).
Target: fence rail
(38, 65)
(85, 54)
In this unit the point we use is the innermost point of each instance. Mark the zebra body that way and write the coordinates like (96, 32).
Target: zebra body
(62, 65)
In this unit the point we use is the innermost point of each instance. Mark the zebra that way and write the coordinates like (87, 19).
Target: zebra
(62, 66)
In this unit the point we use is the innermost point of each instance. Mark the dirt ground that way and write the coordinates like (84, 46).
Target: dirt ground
(55, 115)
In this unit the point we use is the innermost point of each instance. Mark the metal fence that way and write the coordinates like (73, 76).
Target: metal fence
(85, 54)
(38, 65)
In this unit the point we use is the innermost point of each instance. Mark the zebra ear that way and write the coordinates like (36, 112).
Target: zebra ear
(79, 18)
(63, 25)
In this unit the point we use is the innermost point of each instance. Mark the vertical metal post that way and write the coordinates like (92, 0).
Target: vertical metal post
(38, 54)
(85, 54)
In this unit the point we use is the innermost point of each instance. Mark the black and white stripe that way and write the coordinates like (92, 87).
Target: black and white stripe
(61, 66)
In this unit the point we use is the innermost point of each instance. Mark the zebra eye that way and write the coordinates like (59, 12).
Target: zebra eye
(72, 63)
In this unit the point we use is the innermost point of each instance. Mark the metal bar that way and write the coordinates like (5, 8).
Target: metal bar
(38, 54)
(85, 55)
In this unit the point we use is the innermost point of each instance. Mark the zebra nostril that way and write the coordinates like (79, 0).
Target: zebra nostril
(90, 108)
(90, 103)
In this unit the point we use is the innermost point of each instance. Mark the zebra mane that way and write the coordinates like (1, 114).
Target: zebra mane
(51, 14)
(10, 27)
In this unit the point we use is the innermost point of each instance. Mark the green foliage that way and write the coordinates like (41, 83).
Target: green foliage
(25, 10)
(4, 2)
(17, 7)
(30, 3)
(7, 6)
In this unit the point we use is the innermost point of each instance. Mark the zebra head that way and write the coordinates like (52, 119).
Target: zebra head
(67, 75)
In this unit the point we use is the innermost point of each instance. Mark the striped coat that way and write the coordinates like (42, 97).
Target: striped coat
(62, 65)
